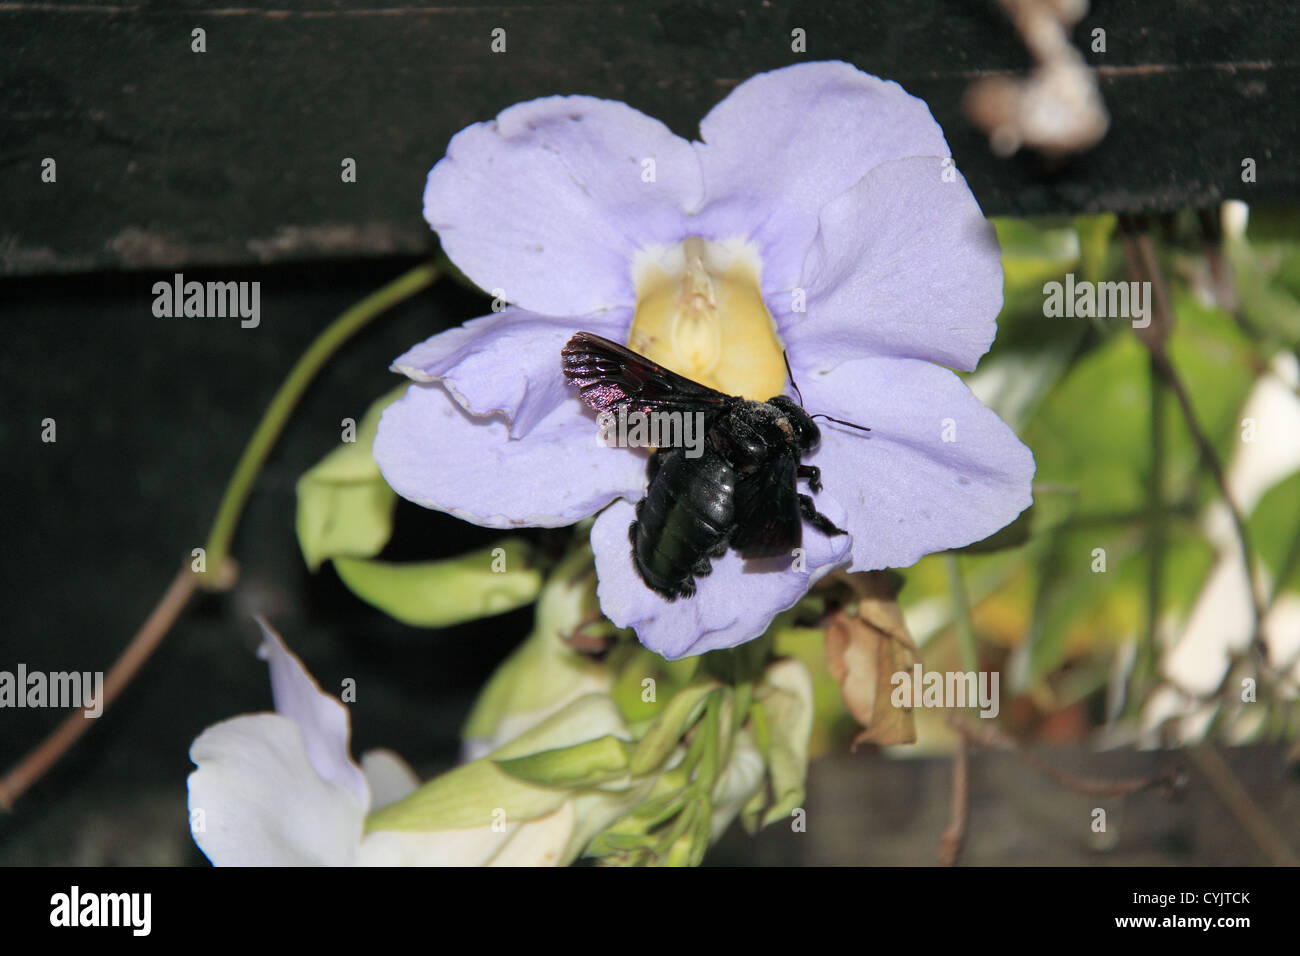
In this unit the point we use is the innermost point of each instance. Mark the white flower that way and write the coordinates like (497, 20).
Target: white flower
(282, 789)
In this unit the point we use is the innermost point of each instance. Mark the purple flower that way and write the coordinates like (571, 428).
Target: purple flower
(819, 214)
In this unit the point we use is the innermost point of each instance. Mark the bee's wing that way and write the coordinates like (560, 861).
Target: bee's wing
(610, 377)
(767, 511)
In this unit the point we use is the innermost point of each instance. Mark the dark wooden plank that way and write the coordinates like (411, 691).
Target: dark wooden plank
(873, 811)
(167, 157)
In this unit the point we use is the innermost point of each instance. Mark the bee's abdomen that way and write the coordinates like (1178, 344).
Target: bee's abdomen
(686, 516)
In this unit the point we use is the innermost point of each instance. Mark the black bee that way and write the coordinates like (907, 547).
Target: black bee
(740, 492)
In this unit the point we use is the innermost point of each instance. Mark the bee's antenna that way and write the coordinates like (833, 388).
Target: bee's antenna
(795, 384)
(785, 358)
(841, 421)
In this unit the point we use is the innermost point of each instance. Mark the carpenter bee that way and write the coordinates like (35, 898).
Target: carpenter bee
(739, 490)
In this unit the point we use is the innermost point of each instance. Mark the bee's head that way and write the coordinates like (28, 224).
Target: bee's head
(806, 432)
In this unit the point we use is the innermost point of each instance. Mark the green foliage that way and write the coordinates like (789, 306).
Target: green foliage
(1112, 555)
(544, 672)
(443, 593)
(586, 764)
(1275, 533)
(1082, 394)
(345, 508)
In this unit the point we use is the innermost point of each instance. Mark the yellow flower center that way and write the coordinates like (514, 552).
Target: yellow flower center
(700, 312)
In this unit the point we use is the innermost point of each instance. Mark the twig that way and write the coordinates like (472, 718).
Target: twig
(43, 756)
(221, 570)
(1223, 280)
(961, 615)
(954, 838)
(1171, 780)
(276, 416)
(1157, 531)
(1143, 263)
(1211, 459)
(1252, 819)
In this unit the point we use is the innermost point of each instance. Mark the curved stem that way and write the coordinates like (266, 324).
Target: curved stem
(961, 615)
(32, 767)
(221, 572)
(219, 575)
(1146, 672)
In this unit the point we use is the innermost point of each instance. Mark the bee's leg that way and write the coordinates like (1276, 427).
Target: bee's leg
(704, 566)
(814, 476)
(816, 518)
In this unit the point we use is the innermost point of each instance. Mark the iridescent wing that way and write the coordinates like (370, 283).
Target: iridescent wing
(610, 377)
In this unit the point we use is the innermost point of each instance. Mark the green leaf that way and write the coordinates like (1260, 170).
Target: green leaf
(1266, 272)
(443, 593)
(787, 699)
(1094, 244)
(470, 795)
(1274, 528)
(1093, 431)
(579, 765)
(544, 670)
(1033, 253)
(658, 810)
(751, 817)
(345, 508)
(1079, 610)
(663, 735)
(467, 796)
(1213, 359)
(633, 664)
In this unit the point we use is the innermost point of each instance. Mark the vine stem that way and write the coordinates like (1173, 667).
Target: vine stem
(217, 549)
(961, 614)
(1144, 264)
(954, 838)
(33, 766)
(221, 571)
(1157, 531)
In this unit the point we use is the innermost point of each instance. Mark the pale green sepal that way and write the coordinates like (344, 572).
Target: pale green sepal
(581, 765)
(474, 795)
(344, 506)
(544, 672)
(470, 795)
(443, 593)
(786, 697)
(664, 734)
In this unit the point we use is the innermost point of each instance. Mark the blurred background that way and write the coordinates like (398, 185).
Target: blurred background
(224, 164)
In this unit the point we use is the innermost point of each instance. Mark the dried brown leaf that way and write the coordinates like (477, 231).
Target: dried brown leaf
(866, 644)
